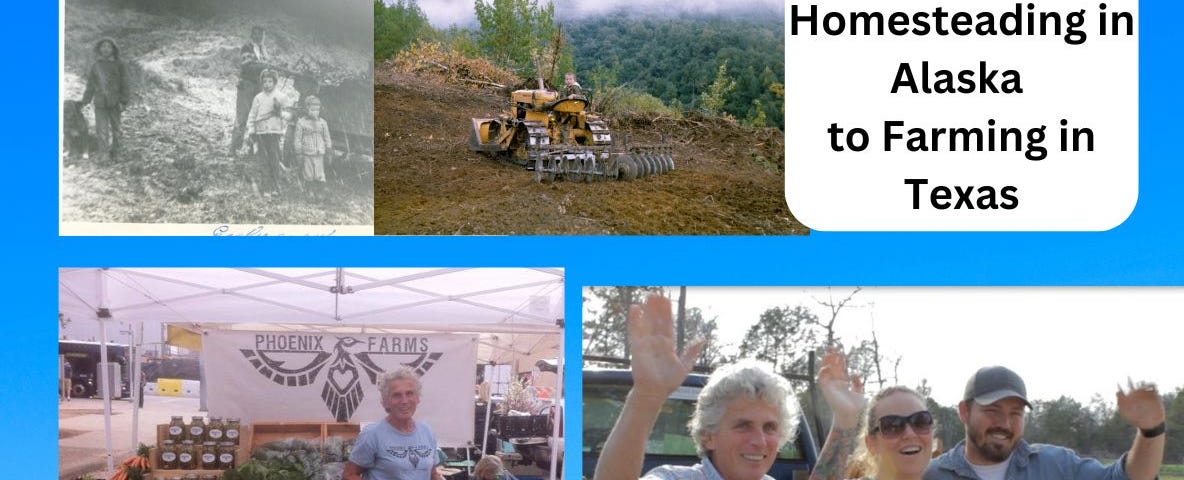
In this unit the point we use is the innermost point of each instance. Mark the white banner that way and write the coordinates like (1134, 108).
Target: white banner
(274, 376)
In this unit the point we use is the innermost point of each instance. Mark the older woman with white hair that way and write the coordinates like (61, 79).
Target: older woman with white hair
(398, 447)
(743, 416)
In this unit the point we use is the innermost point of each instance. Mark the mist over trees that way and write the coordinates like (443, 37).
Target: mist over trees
(665, 65)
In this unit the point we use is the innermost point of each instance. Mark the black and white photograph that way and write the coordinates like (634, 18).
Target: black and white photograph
(216, 117)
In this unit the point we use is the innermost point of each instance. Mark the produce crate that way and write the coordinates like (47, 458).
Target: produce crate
(316, 432)
(519, 426)
(265, 432)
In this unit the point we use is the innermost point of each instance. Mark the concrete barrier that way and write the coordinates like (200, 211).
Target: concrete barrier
(169, 387)
(190, 388)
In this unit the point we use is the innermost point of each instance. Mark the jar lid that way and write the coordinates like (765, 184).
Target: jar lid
(169, 442)
(187, 442)
(209, 443)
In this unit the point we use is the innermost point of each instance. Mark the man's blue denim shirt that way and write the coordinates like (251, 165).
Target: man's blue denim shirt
(1030, 462)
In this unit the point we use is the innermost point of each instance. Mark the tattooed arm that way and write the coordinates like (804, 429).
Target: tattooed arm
(832, 461)
(845, 398)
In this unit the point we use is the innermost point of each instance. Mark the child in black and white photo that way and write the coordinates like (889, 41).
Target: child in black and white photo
(312, 144)
(78, 140)
(106, 86)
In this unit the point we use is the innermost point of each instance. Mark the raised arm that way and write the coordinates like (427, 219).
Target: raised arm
(844, 396)
(658, 370)
(1141, 406)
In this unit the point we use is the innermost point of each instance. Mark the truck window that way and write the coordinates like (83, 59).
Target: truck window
(602, 404)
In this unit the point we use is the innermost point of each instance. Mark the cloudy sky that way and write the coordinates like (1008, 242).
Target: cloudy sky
(1062, 341)
(443, 13)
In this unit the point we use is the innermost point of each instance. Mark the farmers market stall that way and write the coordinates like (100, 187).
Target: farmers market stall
(318, 338)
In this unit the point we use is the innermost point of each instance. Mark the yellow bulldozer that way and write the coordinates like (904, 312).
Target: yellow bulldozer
(556, 136)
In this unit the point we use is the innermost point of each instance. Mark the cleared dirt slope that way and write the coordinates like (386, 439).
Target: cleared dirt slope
(729, 179)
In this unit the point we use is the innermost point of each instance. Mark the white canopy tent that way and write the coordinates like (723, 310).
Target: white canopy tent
(517, 312)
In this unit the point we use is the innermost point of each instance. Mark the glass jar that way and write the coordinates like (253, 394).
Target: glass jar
(208, 476)
(186, 456)
(209, 456)
(215, 429)
(168, 455)
(226, 455)
(232, 430)
(190, 476)
(197, 430)
(177, 428)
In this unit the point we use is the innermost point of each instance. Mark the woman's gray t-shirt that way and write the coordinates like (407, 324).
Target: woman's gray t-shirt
(388, 454)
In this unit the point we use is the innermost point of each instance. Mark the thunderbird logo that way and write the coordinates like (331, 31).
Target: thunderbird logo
(412, 454)
(342, 391)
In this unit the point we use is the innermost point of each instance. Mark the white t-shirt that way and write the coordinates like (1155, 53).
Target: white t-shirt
(992, 472)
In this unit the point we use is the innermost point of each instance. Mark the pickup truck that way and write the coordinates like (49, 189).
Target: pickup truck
(670, 443)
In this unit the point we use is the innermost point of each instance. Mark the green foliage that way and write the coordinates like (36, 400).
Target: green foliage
(622, 101)
(461, 40)
(516, 33)
(757, 119)
(783, 336)
(1174, 449)
(1171, 471)
(717, 93)
(273, 469)
(604, 324)
(1063, 421)
(950, 429)
(397, 25)
(677, 59)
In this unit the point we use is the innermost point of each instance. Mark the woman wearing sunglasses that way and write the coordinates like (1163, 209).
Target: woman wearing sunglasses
(896, 440)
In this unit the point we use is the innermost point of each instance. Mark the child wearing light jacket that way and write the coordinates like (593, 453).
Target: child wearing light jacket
(312, 140)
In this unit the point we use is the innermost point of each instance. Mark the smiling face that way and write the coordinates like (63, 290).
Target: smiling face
(905, 455)
(992, 431)
(744, 445)
(106, 49)
(401, 400)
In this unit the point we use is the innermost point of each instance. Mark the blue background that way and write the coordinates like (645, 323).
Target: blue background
(1145, 250)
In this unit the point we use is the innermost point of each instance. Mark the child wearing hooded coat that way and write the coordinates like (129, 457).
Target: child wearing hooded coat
(106, 85)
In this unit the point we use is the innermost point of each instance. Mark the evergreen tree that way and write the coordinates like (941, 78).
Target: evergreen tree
(516, 33)
(397, 26)
(717, 93)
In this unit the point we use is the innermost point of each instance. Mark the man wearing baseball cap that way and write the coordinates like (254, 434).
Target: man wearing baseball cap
(992, 409)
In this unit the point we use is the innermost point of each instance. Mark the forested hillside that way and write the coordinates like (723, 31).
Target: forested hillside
(678, 59)
(727, 66)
